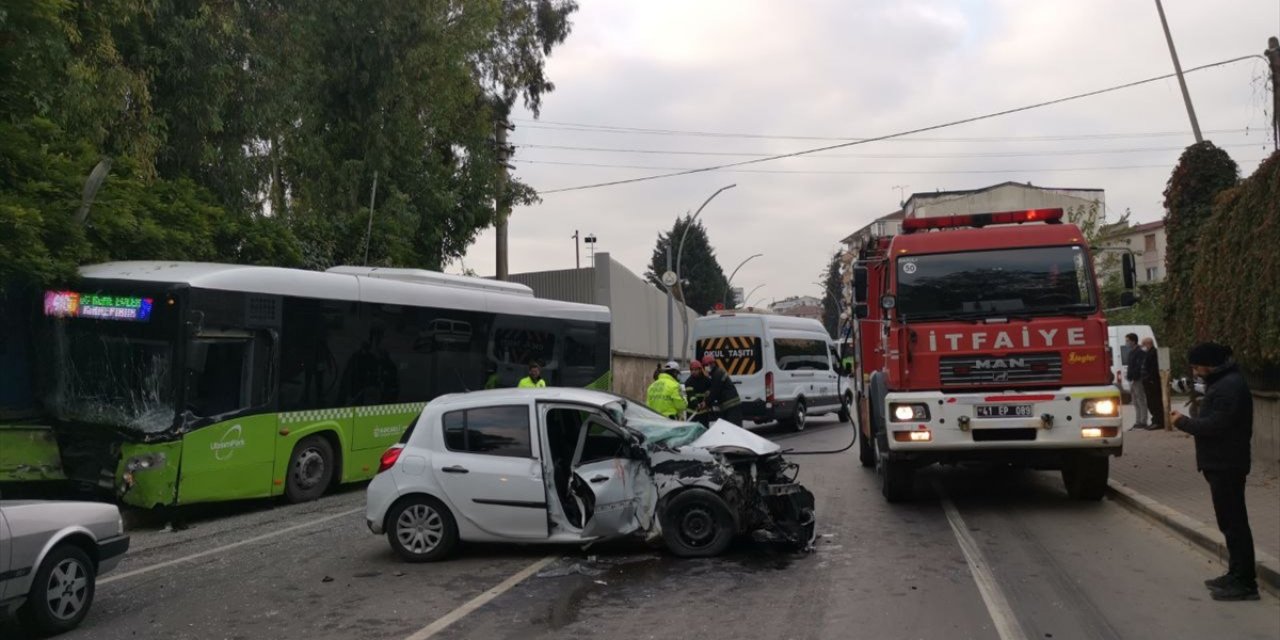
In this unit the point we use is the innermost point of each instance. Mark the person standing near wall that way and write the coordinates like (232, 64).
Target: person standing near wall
(1223, 430)
(1133, 373)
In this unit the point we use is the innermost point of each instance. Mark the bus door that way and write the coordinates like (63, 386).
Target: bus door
(229, 452)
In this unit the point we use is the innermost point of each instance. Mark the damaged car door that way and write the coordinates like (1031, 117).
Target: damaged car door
(617, 484)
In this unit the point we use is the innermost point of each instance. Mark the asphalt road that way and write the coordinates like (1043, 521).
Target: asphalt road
(981, 554)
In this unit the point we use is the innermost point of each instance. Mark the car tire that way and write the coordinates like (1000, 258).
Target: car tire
(421, 529)
(846, 409)
(897, 477)
(1085, 477)
(311, 469)
(697, 523)
(69, 568)
(799, 418)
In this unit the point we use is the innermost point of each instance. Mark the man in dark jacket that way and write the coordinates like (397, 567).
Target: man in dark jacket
(722, 396)
(696, 388)
(1133, 374)
(1222, 430)
(1151, 383)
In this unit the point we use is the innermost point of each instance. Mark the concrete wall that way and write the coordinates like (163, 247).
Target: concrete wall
(1266, 431)
(639, 312)
(639, 330)
(632, 375)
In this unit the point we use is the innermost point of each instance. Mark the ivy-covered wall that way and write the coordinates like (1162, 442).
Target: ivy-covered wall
(1235, 277)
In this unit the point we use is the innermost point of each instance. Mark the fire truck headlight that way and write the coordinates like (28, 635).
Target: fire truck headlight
(1100, 408)
(909, 411)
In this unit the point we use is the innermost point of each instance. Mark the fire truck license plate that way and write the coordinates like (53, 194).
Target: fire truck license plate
(1004, 410)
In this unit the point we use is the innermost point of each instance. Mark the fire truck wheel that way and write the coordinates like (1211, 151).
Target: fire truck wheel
(866, 451)
(897, 477)
(1086, 477)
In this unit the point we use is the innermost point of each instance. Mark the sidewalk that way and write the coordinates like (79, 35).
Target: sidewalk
(1158, 470)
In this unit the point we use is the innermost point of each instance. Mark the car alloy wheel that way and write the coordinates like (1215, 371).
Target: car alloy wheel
(420, 529)
(67, 589)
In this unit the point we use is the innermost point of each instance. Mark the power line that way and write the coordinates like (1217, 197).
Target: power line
(837, 172)
(891, 135)
(613, 129)
(1014, 154)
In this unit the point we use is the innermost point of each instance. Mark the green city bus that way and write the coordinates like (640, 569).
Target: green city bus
(171, 383)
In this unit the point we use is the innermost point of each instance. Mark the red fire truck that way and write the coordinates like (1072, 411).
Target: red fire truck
(982, 338)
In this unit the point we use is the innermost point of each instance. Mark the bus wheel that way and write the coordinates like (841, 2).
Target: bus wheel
(310, 469)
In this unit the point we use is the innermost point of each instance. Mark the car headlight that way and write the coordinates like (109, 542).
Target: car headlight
(909, 411)
(1100, 407)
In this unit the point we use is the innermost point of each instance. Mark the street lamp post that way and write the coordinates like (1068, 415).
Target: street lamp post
(729, 283)
(748, 296)
(684, 315)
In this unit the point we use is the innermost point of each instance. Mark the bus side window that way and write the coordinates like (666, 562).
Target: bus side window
(227, 375)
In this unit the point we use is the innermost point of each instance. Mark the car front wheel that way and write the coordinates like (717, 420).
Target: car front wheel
(421, 529)
(697, 524)
(61, 592)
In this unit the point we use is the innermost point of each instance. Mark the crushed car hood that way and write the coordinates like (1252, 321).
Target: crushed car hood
(726, 437)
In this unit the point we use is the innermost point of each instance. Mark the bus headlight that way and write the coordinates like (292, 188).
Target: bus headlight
(145, 461)
(1100, 408)
(909, 411)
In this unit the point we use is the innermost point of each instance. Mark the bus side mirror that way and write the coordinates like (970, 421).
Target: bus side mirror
(860, 310)
(859, 284)
(1129, 270)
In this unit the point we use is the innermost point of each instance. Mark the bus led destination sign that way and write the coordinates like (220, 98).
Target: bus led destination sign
(70, 304)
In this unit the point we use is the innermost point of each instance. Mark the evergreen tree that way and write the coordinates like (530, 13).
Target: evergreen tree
(704, 280)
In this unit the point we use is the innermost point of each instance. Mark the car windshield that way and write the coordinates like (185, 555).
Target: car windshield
(656, 428)
(975, 284)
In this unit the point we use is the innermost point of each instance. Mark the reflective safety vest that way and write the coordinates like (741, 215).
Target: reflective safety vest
(528, 383)
(665, 398)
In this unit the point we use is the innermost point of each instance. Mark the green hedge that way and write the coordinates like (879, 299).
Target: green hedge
(1235, 281)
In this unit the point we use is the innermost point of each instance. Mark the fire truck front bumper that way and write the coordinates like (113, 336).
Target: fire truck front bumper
(1075, 418)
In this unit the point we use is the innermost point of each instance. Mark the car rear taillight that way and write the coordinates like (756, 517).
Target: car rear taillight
(768, 386)
(389, 458)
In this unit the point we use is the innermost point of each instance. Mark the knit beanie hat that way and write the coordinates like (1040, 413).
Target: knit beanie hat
(1208, 354)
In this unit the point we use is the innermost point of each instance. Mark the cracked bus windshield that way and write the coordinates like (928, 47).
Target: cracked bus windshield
(991, 283)
(112, 361)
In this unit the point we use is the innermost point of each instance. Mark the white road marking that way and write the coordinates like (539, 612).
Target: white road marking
(480, 600)
(195, 556)
(1007, 626)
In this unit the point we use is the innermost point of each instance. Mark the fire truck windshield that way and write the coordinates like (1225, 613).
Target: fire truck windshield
(994, 283)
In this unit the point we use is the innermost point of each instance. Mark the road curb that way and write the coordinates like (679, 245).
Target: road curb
(1192, 530)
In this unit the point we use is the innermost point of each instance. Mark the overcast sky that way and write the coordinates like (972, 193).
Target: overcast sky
(855, 69)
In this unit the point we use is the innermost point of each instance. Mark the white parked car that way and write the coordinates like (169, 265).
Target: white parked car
(571, 466)
(51, 553)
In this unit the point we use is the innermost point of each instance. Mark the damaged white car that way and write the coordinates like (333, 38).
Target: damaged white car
(576, 466)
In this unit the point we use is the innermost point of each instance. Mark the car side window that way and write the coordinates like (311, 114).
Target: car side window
(494, 431)
(601, 443)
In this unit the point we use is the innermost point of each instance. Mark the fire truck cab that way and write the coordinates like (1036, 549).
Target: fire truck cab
(982, 338)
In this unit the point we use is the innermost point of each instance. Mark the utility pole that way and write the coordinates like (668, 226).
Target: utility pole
(502, 207)
(577, 251)
(368, 232)
(1273, 56)
(1177, 68)
(902, 193)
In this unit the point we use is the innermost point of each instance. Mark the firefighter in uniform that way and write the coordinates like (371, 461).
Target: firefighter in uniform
(664, 394)
(722, 396)
(696, 388)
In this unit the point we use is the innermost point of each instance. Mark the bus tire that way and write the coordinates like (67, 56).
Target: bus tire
(311, 469)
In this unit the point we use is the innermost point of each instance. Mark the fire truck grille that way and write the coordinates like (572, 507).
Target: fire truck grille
(959, 371)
